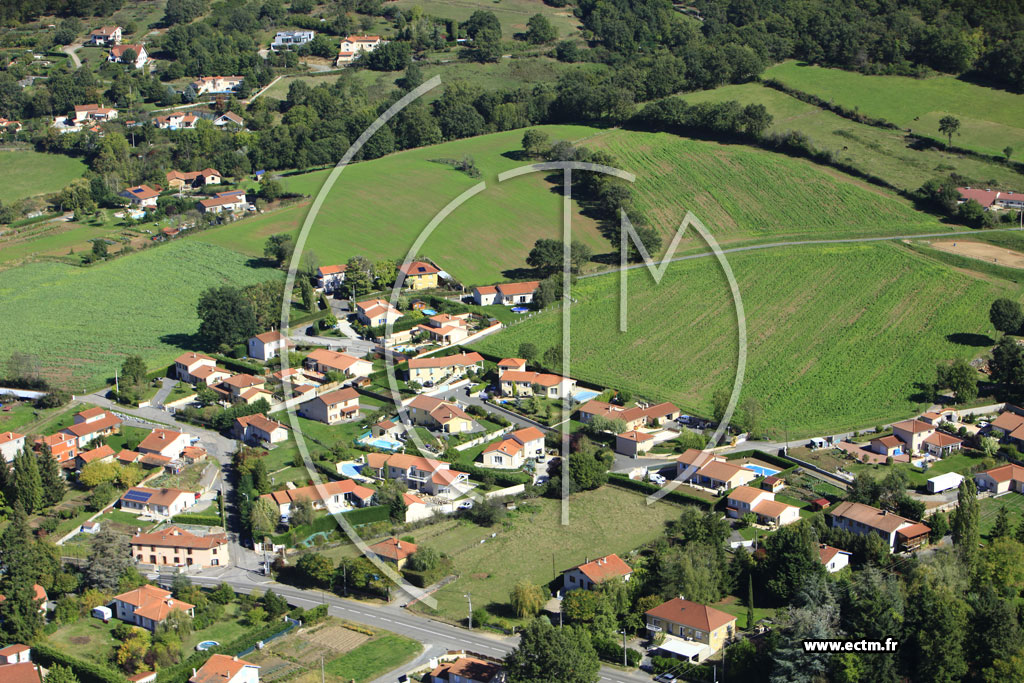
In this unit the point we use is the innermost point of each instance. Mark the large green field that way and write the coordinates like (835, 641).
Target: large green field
(513, 14)
(537, 543)
(744, 193)
(838, 335)
(82, 322)
(887, 154)
(55, 239)
(990, 119)
(378, 208)
(27, 174)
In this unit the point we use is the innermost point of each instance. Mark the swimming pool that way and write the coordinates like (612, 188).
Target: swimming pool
(761, 471)
(520, 309)
(428, 311)
(351, 470)
(206, 645)
(584, 395)
(379, 442)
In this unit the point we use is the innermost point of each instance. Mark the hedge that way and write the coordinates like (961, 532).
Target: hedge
(611, 651)
(502, 478)
(357, 517)
(180, 673)
(87, 672)
(776, 460)
(677, 496)
(197, 518)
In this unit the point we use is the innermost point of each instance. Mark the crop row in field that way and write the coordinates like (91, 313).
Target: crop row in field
(742, 192)
(838, 336)
(82, 322)
(990, 119)
(887, 154)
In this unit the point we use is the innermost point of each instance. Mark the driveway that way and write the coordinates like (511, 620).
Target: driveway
(71, 51)
(165, 390)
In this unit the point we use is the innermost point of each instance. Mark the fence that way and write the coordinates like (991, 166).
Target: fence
(292, 623)
(484, 438)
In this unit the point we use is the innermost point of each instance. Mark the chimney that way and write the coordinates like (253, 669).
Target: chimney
(193, 672)
(235, 658)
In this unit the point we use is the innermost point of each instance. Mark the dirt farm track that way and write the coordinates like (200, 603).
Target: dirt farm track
(982, 252)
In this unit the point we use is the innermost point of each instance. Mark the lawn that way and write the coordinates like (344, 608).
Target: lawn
(990, 119)
(508, 217)
(20, 415)
(743, 193)
(129, 438)
(838, 335)
(989, 510)
(33, 173)
(513, 14)
(537, 545)
(84, 321)
(51, 239)
(373, 658)
(885, 153)
(88, 638)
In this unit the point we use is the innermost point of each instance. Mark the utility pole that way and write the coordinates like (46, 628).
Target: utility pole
(344, 578)
(623, 632)
(469, 596)
(321, 669)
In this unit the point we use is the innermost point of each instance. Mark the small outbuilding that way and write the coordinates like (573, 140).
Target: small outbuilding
(944, 482)
(102, 612)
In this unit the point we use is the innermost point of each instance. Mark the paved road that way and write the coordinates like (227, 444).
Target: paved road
(71, 51)
(358, 347)
(796, 243)
(436, 636)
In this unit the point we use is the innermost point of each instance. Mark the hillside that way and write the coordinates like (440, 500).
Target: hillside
(990, 119)
(81, 322)
(839, 335)
(378, 208)
(887, 154)
(27, 174)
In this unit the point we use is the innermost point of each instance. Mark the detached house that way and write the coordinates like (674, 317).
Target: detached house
(430, 476)
(898, 532)
(834, 559)
(141, 196)
(376, 312)
(546, 385)
(326, 361)
(165, 442)
(176, 121)
(506, 294)
(437, 369)
(693, 632)
(330, 278)
(512, 451)
(91, 424)
(267, 345)
(217, 85)
(104, 36)
(118, 55)
(226, 669)
(633, 443)
(633, 416)
(913, 433)
(186, 365)
(353, 46)
(284, 40)
(446, 329)
(177, 180)
(468, 670)
(333, 496)
(438, 415)
(418, 275)
(163, 502)
(259, 428)
(63, 447)
(333, 407)
(745, 500)
(394, 551)
(16, 665)
(722, 475)
(11, 443)
(176, 547)
(232, 200)
(1001, 479)
(590, 575)
(230, 120)
(148, 606)
(691, 460)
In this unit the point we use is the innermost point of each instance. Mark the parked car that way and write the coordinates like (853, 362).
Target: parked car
(658, 479)
(466, 505)
(665, 678)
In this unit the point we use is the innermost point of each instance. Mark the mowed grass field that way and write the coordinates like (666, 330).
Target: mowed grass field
(990, 119)
(378, 208)
(513, 14)
(27, 174)
(538, 540)
(82, 322)
(838, 335)
(51, 239)
(743, 193)
(887, 154)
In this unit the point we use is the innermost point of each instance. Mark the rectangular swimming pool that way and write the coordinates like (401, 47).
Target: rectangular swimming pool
(760, 471)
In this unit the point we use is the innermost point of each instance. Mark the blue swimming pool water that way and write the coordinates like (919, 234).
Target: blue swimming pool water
(380, 443)
(761, 471)
(206, 645)
(520, 309)
(584, 395)
(429, 311)
(350, 469)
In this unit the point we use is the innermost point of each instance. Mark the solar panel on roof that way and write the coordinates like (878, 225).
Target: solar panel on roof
(138, 496)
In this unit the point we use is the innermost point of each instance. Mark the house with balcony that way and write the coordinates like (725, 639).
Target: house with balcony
(333, 407)
(148, 606)
(105, 36)
(513, 450)
(427, 475)
(288, 40)
(92, 423)
(693, 632)
(217, 85)
(258, 428)
(898, 532)
(333, 496)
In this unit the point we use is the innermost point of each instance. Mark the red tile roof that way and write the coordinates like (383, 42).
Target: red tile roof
(393, 549)
(691, 614)
(468, 669)
(414, 268)
(219, 669)
(604, 568)
(176, 537)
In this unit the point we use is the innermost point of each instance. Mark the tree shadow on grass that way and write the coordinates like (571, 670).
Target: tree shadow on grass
(185, 341)
(970, 339)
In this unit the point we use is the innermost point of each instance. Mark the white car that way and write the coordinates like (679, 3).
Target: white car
(466, 505)
(658, 479)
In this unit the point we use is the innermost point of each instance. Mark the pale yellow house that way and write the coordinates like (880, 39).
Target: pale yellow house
(419, 275)
(332, 407)
(174, 546)
(438, 369)
(693, 632)
(438, 415)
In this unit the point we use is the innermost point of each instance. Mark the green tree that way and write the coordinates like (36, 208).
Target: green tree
(385, 272)
(546, 654)
(539, 30)
(109, 558)
(936, 628)
(750, 601)
(99, 249)
(278, 248)
(226, 316)
(316, 569)
(60, 674)
(579, 255)
(527, 599)
(964, 523)
(536, 142)
(1006, 316)
(357, 276)
(586, 471)
(306, 293)
(1001, 528)
(300, 513)
(1007, 364)
(792, 560)
(719, 404)
(50, 479)
(263, 518)
(20, 620)
(96, 473)
(960, 377)
(1008, 152)
(546, 255)
(27, 485)
(133, 371)
(274, 604)
(948, 125)
(257, 616)
(528, 352)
